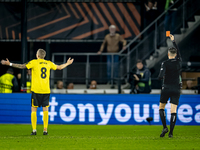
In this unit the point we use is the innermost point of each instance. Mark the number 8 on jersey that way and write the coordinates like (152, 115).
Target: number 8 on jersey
(43, 72)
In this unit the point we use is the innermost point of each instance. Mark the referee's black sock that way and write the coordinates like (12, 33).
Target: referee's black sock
(162, 117)
(172, 122)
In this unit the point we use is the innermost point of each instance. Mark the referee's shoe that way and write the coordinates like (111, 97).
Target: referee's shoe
(164, 131)
(170, 135)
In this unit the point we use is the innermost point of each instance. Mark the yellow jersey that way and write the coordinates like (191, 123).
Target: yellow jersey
(40, 71)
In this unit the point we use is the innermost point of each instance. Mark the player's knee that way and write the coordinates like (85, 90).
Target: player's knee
(33, 109)
(45, 108)
(173, 111)
(173, 108)
(162, 106)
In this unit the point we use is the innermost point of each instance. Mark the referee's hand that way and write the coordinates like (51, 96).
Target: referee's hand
(171, 37)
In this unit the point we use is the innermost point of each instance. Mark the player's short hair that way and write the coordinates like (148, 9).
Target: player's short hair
(172, 51)
(41, 53)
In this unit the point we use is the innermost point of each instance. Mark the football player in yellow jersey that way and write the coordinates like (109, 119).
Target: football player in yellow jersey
(39, 84)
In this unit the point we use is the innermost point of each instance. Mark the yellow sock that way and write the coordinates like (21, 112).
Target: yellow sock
(45, 119)
(33, 120)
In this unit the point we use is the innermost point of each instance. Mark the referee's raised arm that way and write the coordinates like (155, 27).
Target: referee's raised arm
(175, 45)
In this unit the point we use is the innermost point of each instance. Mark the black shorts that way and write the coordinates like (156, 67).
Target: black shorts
(172, 93)
(38, 100)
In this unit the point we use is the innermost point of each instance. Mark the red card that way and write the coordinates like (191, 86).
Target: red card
(167, 33)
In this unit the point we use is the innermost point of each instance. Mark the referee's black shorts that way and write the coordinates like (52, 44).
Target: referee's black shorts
(38, 100)
(172, 93)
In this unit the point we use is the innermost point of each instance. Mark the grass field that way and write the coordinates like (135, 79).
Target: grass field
(93, 137)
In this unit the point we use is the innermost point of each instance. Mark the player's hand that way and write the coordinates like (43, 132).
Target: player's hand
(5, 62)
(70, 61)
(171, 37)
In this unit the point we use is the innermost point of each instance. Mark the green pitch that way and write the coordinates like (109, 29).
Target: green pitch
(93, 137)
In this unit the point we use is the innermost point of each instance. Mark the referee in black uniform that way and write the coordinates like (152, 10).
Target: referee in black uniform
(170, 73)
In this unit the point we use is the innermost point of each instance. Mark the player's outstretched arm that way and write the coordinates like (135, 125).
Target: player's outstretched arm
(69, 62)
(8, 63)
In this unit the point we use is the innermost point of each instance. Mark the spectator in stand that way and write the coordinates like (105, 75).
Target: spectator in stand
(151, 12)
(112, 41)
(59, 84)
(93, 84)
(170, 17)
(140, 80)
(70, 86)
(189, 85)
(8, 82)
